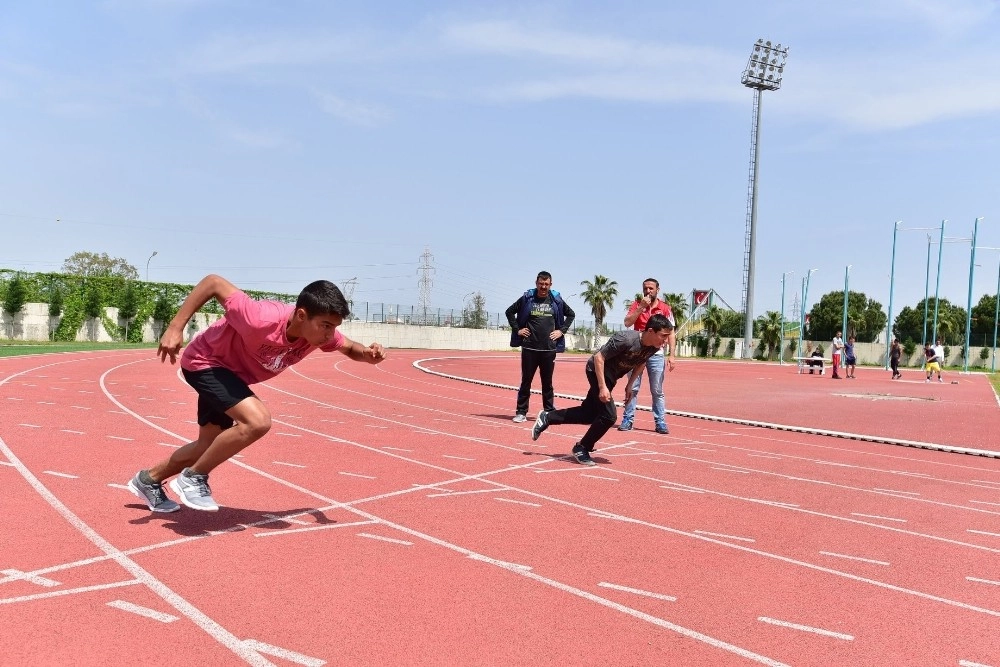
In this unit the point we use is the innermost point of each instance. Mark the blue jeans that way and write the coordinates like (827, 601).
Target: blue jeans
(654, 367)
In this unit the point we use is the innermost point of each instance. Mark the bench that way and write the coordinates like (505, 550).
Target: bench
(820, 362)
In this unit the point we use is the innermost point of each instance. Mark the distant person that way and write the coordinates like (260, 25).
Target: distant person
(638, 315)
(836, 350)
(625, 353)
(850, 361)
(935, 359)
(539, 321)
(251, 343)
(895, 352)
(817, 355)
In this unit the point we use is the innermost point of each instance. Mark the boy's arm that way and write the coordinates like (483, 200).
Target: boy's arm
(372, 354)
(211, 286)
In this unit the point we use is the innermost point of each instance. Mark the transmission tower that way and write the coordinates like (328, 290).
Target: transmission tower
(348, 290)
(425, 271)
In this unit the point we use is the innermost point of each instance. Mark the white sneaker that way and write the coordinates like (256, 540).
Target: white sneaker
(518, 418)
(193, 490)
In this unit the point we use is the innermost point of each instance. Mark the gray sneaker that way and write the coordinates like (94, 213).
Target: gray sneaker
(193, 490)
(153, 494)
(518, 418)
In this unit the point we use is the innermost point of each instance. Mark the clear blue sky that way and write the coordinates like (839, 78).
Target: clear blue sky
(280, 142)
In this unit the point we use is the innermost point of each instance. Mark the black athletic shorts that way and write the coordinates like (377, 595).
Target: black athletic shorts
(218, 390)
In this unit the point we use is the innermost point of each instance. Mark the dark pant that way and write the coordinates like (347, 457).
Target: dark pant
(600, 416)
(544, 363)
(894, 364)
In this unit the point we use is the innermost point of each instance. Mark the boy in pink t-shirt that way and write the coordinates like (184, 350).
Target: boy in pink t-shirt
(252, 342)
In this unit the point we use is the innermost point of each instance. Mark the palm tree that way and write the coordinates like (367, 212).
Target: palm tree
(599, 295)
(770, 331)
(678, 305)
(712, 321)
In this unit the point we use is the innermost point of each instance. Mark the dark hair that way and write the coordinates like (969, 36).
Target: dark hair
(652, 280)
(658, 323)
(323, 298)
(543, 275)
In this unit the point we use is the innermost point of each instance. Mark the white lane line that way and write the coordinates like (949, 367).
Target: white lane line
(765, 456)
(728, 537)
(876, 516)
(66, 430)
(18, 575)
(119, 437)
(982, 532)
(46, 403)
(984, 581)
(863, 560)
(123, 487)
(743, 472)
(608, 479)
(288, 519)
(457, 458)
(657, 461)
(143, 611)
(354, 474)
(289, 435)
(292, 465)
(909, 493)
(30, 425)
(983, 502)
(968, 663)
(6, 463)
(806, 628)
(637, 591)
(984, 481)
(397, 449)
(167, 444)
(576, 468)
(385, 539)
(500, 563)
(14, 398)
(60, 474)
(325, 526)
(69, 591)
(681, 488)
(283, 653)
(376, 426)
(778, 503)
(700, 449)
(518, 502)
(459, 493)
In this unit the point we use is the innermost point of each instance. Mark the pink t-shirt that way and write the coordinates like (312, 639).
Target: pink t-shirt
(250, 341)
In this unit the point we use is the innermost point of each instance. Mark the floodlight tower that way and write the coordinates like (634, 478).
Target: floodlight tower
(763, 72)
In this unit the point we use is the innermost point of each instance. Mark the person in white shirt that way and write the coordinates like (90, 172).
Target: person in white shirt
(837, 348)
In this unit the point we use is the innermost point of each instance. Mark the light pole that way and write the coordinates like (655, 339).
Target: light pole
(802, 308)
(781, 344)
(996, 321)
(892, 277)
(147, 265)
(847, 274)
(937, 286)
(927, 287)
(763, 72)
(968, 303)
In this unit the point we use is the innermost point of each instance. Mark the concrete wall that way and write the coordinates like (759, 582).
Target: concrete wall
(34, 323)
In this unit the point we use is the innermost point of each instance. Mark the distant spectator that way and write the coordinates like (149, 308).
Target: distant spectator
(850, 361)
(895, 352)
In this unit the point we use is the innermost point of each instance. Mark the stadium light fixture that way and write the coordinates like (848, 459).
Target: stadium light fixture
(764, 71)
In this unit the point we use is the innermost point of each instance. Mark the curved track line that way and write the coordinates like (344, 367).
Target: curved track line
(742, 422)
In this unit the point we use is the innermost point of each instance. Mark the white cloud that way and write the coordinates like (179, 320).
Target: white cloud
(357, 113)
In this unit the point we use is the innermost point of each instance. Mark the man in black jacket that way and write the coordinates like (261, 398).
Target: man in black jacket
(538, 320)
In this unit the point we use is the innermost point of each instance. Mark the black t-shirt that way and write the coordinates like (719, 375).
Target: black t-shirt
(623, 352)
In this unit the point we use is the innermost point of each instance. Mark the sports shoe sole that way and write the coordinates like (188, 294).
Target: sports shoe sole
(142, 496)
(180, 494)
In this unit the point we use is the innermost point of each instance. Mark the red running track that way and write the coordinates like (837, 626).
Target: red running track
(394, 517)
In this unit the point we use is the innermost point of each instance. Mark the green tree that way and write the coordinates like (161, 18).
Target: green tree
(983, 318)
(678, 305)
(164, 310)
(91, 264)
(16, 296)
(865, 318)
(713, 320)
(600, 296)
(769, 326)
(474, 312)
(732, 324)
(128, 304)
(951, 322)
(56, 300)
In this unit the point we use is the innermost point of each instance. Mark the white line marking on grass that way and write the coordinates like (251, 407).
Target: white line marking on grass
(385, 539)
(728, 537)
(909, 493)
(518, 502)
(69, 591)
(120, 437)
(18, 575)
(30, 425)
(143, 611)
(325, 526)
(637, 591)
(608, 479)
(863, 560)
(354, 474)
(983, 502)
(806, 628)
(876, 516)
(283, 653)
(457, 458)
(982, 532)
(66, 430)
(397, 449)
(984, 581)
(293, 465)
(60, 474)
(743, 472)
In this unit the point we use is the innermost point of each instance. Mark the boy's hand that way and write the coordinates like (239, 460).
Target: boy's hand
(374, 353)
(170, 345)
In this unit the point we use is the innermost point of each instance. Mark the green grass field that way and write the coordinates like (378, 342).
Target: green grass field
(11, 348)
